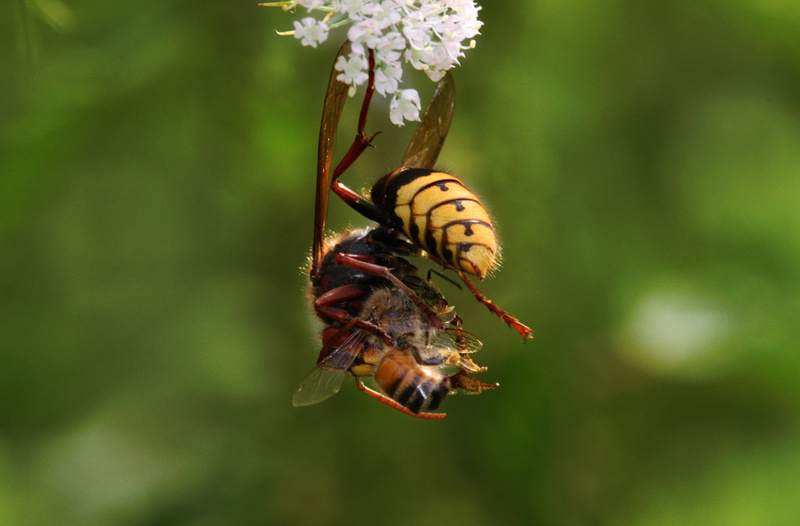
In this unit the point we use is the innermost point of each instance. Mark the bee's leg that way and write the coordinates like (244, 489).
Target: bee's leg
(464, 360)
(460, 342)
(524, 330)
(468, 384)
(394, 405)
(324, 306)
(366, 264)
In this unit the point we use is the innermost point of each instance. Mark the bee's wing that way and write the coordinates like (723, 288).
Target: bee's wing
(332, 111)
(453, 346)
(457, 340)
(413, 322)
(432, 129)
(326, 378)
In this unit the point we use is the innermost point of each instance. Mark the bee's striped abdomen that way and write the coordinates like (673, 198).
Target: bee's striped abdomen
(419, 388)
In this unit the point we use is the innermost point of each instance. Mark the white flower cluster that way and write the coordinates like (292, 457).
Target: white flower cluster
(428, 34)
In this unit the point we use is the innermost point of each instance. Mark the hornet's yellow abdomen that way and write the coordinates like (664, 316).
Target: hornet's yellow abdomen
(440, 215)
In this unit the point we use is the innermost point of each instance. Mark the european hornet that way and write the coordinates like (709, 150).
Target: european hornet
(383, 319)
(433, 210)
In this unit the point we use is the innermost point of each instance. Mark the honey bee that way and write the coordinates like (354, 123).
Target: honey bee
(433, 210)
(392, 338)
(413, 372)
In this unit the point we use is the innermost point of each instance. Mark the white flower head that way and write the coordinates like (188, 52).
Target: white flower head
(387, 78)
(311, 4)
(351, 6)
(430, 35)
(353, 69)
(311, 31)
(404, 105)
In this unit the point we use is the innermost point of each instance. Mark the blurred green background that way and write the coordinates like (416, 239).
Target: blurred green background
(642, 160)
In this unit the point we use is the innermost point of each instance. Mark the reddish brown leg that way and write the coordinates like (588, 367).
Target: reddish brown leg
(394, 405)
(457, 322)
(468, 384)
(525, 331)
(364, 264)
(360, 143)
(323, 305)
(333, 337)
